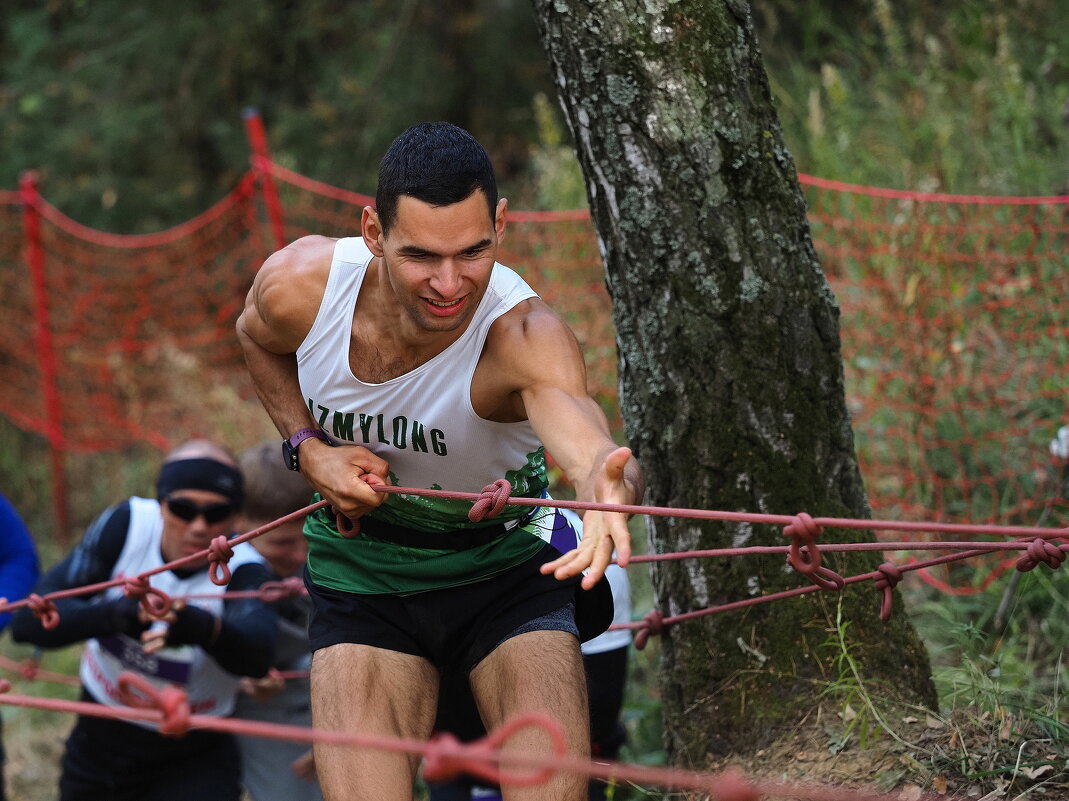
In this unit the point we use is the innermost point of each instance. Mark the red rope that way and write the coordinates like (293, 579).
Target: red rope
(482, 757)
(742, 517)
(929, 197)
(239, 194)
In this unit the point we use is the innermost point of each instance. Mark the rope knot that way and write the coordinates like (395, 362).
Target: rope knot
(887, 577)
(219, 553)
(170, 701)
(804, 555)
(30, 668)
(346, 527)
(1040, 550)
(652, 626)
(442, 761)
(44, 609)
(156, 602)
(493, 499)
(273, 591)
(446, 758)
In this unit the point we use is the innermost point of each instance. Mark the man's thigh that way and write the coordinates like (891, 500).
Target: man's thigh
(364, 690)
(540, 671)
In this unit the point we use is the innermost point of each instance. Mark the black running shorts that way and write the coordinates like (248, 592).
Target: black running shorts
(456, 627)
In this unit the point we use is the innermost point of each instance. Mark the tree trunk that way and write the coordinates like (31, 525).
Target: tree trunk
(731, 376)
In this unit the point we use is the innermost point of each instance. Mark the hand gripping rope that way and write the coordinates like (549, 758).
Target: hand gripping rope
(273, 591)
(155, 602)
(44, 609)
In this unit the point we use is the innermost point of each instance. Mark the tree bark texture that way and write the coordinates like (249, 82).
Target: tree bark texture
(731, 376)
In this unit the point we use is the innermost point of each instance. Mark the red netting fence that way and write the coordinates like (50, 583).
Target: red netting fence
(954, 328)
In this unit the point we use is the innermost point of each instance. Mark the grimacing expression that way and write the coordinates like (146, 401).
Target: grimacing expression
(183, 537)
(439, 259)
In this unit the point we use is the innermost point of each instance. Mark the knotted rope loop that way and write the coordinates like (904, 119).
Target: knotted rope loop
(443, 760)
(731, 785)
(219, 553)
(1040, 550)
(273, 591)
(827, 579)
(652, 626)
(156, 602)
(346, 527)
(804, 555)
(446, 758)
(44, 610)
(170, 701)
(887, 577)
(494, 498)
(30, 668)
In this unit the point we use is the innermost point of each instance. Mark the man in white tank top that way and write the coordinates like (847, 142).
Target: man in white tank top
(413, 358)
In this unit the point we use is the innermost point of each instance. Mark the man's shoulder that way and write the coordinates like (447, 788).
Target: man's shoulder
(290, 284)
(530, 317)
(308, 254)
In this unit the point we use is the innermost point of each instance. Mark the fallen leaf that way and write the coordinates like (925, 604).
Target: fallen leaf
(1036, 772)
(939, 784)
(910, 719)
(911, 792)
(933, 722)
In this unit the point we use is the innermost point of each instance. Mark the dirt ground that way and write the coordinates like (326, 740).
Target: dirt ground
(961, 756)
(33, 754)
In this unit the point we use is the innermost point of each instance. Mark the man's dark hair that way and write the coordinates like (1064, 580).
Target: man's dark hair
(435, 162)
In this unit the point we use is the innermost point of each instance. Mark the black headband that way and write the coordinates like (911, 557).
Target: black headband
(200, 474)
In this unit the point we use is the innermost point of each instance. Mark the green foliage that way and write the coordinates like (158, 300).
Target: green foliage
(961, 97)
(132, 112)
(1002, 647)
(555, 179)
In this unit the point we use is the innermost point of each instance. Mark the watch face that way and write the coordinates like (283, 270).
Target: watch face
(289, 455)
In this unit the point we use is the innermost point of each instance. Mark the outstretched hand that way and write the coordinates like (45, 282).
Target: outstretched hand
(603, 532)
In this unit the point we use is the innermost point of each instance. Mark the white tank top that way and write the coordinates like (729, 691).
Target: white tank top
(422, 423)
(210, 689)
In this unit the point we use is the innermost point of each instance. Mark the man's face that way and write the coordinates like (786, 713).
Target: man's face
(284, 548)
(438, 259)
(191, 520)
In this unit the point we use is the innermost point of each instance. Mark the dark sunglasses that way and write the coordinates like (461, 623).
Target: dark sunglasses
(187, 510)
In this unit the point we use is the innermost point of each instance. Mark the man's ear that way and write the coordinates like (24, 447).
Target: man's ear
(371, 228)
(499, 218)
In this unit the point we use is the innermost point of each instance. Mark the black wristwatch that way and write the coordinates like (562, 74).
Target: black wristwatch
(289, 446)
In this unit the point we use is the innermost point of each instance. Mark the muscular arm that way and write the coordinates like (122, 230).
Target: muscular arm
(279, 312)
(540, 355)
